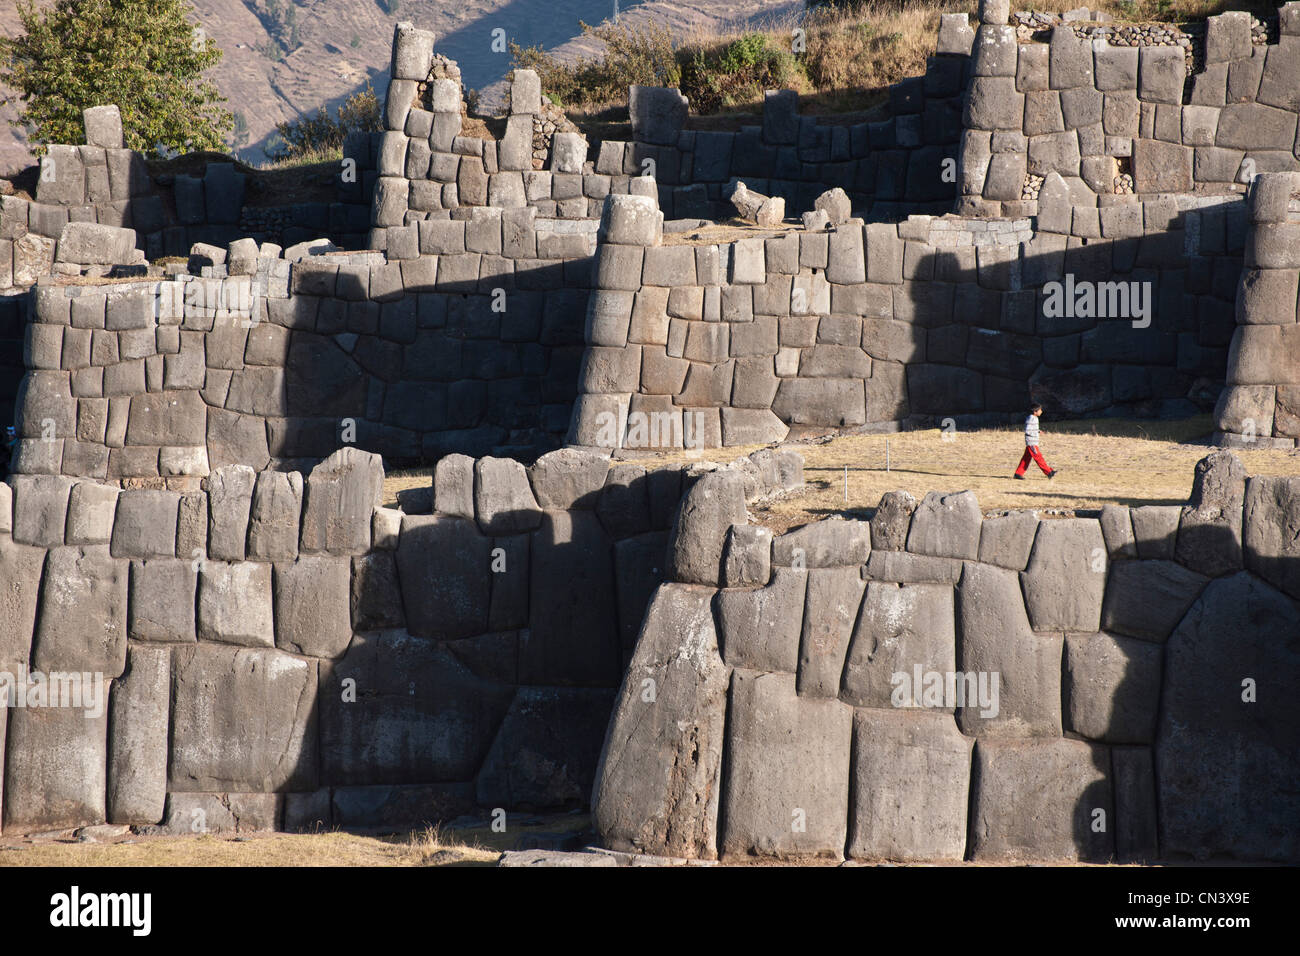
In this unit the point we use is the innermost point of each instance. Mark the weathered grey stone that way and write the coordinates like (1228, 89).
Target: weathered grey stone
(1035, 800)
(230, 498)
(1226, 749)
(545, 754)
(747, 556)
(91, 507)
(834, 595)
(20, 570)
(1117, 530)
(911, 781)
(1134, 784)
(657, 114)
(421, 715)
(902, 567)
(453, 486)
(82, 624)
(443, 563)
(103, 126)
(835, 203)
(55, 767)
(709, 508)
(1147, 599)
(832, 542)
(1161, 167)
(503, 498)
(1007, 539)
(1272, 531)
(1065, 580)
(274, 516)
(1155, 528)
(312, 605)
(1112, 687)
(890, 523)
(901, 628)
(946, 526)
(659, 776)
(760, 628)
(787, 786)
(342, 493)
(144, 524)
(572, 634)
(568, 478)
(162, 599)
(243, 719)
(1209, 532)
(40, 509)
(137, 750)
(235, 604)
(996, 639)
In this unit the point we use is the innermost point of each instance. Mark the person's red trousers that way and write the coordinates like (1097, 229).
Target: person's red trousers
(1032, 452)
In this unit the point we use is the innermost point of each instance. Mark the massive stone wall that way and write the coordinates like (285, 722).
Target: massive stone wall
(1114, 120)
(880, 323)
(279, 650)
(1261, 405)
(1128, 678)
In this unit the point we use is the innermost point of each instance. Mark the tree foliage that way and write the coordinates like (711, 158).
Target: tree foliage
(322, 134)
(145, 56)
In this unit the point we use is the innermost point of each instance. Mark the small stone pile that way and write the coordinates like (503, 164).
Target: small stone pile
(1124, 184)
(1032, 186)
(546, 124)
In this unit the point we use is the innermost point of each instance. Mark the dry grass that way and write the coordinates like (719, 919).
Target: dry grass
(431, 846)
(1102, 461)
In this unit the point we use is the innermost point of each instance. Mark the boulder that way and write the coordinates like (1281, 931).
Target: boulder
(568, 478)
(91, 507)
(313, 605)
(759, 628)
(1272, 531)
(420, 715)
(1112, 687)
(890, 523)
(834, 595)
(243, 719)
(638, 571)
(89, 243)
(946, 526)
(659, 775)
(453, 486)
(831, 542)
(835, 203)
(20, 570)
(1007, 540)
(1117, 530)
(503, 498)
(712, 505)
(997, 642)
(1209, 532)
(230, 498)
(901, 627)
(443, 564)
(1227, 752)
(544, 756)
(1147, 599)
(747, 556)
(56, 767)
(137, 750)
(787, 775)
(274, 516)
(911, 783)
(235, 604)
(162, 599)
(341, 495)
(1155, 530)
(657, 114)
(762, 210)
(376, 592)
(1065, 580)
(82, 624)
(40, 509)
(1037, 800)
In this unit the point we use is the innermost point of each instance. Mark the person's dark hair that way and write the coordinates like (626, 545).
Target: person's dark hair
(1035, 408)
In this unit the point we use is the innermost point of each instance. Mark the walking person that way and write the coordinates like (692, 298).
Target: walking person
(1031, 446)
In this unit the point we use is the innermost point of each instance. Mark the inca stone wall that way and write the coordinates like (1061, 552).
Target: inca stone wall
(279, 650)
(794, 695)
(880, 324)
(1260, 407)
(1114, 121)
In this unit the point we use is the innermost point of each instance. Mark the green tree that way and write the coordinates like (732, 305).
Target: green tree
(319, 136)
(145, 56)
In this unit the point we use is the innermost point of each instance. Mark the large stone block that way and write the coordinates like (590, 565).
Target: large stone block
(568, 478)
(709, 508)
(658, 780)
(341, 495)
(243, 719)
(274, 516)
(56, 767)
(1037, 800)
(759, 628)
(167, 418)
(503, 498)
(313, 605)
(443, 564)
(834, 595)
(1065, 580)
(890, 523)
(831, 542)
(911, 782)
(1112, 687)
(1147, 599)
(230, 498)
(997, 643)
(1226, 745)
(1160, 167)
(20, 574)
(137, 750)
(1007, 540)
(787, 771)
(1209, 532)
(235, 604)
(162, 599)
(82, 624)
(1272, 531)
(946, 526)
(545, 754)
(572, 636)
(901, 628)
(657, 114)
(419, 714)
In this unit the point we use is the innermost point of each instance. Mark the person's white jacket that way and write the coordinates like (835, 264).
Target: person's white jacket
(1031, 431)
